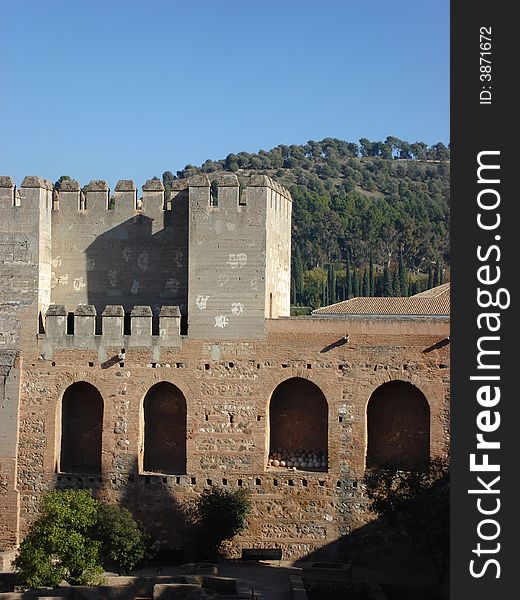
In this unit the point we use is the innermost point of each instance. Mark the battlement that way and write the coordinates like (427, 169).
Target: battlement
(217, 246)
(77, 329)
(220, 189)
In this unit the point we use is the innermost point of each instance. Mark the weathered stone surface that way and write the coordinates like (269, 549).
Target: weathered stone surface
(6, 182)
(153, 185)
(125, 185)
(69, 185)
(96, 185)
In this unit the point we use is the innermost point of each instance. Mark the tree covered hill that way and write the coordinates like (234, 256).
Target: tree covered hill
(368, 219)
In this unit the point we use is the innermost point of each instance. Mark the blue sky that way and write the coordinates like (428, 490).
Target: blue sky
(126, 89)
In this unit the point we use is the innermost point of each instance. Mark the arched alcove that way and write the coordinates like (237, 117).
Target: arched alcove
(398, 426)
(164, 429)
(298, 425)
(81, 429)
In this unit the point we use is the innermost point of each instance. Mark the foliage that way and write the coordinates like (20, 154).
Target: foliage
(60, 544)
(220, 515)
(73, 538)
(416, 503)
(384, 201)
(123, 541)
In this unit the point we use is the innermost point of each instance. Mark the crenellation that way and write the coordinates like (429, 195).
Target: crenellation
(112, 319)
(153, 198)
(141, 325)
(85, 323)
(7, 192)
(97, 194)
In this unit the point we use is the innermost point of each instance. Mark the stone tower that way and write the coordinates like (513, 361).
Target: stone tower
(239, 256)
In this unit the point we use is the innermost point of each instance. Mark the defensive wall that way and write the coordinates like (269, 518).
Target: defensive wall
(106, 389)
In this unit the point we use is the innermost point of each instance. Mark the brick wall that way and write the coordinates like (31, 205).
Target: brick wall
(227, 387)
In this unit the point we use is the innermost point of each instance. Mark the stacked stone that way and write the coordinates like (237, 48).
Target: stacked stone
(298, 459)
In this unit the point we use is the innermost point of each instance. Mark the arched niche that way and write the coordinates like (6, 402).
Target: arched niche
(81, 429)
(298, 425)
(398, 426)
(164, 429)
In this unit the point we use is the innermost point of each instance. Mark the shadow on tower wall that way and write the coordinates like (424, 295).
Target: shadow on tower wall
(139, 263)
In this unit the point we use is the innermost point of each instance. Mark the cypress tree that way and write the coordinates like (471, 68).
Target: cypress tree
(430, 277)
(323, 293)
(438, 274)
(298, 275)
(366, 283)
(348, 279)
(387, 290)
(331, 283)
(371, 277)
(396, 284)
(403, 279)
(355, 284)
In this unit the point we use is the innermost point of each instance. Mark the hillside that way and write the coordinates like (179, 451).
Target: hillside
(359, 210)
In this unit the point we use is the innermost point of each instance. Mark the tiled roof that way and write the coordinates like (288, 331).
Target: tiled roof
(436, 292)
(435, 301)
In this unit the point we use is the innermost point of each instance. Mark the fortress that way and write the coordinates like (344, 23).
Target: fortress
(146, 352)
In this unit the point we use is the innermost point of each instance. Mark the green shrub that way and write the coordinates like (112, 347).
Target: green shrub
(123, 541)
(73, 539)
(220, 514)
(60, 544)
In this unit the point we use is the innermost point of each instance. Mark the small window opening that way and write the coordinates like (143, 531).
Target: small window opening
(41, 326)
(70, 323)
(155, 324)
(213, 196)
(127, 324)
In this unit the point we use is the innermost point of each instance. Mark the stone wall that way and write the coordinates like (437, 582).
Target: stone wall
(239, 249)
(227, 387)
(130, 251)
(9, 413)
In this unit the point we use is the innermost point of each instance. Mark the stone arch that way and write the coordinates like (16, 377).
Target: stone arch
(398, 426)
(165, 428)
(298, 420)
(81, 429)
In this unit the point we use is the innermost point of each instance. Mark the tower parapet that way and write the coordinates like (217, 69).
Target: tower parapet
(61, 335)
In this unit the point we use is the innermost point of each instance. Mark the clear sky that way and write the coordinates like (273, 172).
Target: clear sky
(127, 89)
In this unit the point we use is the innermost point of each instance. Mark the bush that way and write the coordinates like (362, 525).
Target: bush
(220, 514)
(60, 544)
(74, 538)
(123, 541)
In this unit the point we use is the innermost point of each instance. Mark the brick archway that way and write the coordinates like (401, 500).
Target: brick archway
(164, 429)
(81, 429)
(298, 418)
(398, 426)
